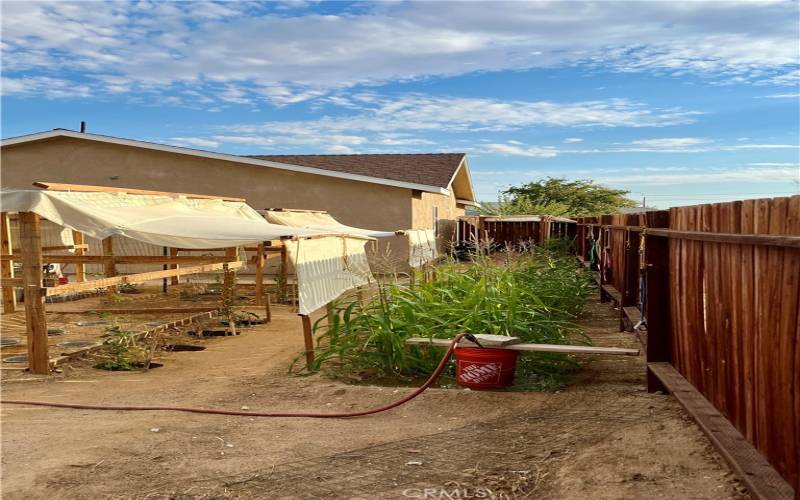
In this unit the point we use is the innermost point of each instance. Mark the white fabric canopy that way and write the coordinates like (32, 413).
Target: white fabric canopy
(320, 221)
(326, 268)
(422, 246)
(170, 221)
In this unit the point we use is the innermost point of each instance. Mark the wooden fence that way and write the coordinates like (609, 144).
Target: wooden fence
(721, 284)
(510, 231)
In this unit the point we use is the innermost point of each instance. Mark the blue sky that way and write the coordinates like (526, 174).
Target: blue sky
(680, 102)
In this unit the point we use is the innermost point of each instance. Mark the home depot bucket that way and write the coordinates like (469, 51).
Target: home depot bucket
(485, 368)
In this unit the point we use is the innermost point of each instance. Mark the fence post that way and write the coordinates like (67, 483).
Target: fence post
(630, 285)
(659, 316)
(308, 339)
(36, 324)
(80, 268)
(606, 236)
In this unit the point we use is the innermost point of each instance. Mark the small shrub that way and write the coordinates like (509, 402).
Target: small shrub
(123, 353)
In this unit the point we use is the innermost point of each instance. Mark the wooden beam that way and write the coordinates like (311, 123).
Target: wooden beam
(109, 268)
(268, 308)
(612, 292)
(173, 254)
(137, 278)
(734, 238)
(659, 314)
(6, 268)
(762, 481)
(31, 244)
(565, 349)
(125, 259)
(260, 261)
(56, 186)
(284, 276)
(139, 310)
(11, 282)
(80, 268)
(308, 339)
(53, 248)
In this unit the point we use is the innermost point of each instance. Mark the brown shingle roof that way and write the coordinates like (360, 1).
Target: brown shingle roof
(432, 169)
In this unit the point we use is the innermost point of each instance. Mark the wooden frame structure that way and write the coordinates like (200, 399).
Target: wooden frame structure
(31, 254)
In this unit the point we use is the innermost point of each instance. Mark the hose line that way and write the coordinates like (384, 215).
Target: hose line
(77, 406)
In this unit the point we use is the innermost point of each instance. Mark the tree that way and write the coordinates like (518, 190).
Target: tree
(561, 197)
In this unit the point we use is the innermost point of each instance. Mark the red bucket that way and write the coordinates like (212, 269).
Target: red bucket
(485, 368)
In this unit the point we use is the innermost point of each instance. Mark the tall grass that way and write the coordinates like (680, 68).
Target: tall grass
(533, 295)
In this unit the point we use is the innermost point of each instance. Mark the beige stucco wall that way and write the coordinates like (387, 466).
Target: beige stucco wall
(77, 161)
(449, 211)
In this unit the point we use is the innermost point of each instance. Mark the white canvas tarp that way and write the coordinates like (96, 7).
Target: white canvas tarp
(320, 221)
(422, 246)
(326, 268)
(171, 221)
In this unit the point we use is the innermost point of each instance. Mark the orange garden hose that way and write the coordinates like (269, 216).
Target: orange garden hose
(406, 399)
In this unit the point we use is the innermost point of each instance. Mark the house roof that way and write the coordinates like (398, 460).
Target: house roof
(434, 169)
(424, 172)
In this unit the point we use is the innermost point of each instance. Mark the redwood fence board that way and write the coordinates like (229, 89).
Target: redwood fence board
(733, 309)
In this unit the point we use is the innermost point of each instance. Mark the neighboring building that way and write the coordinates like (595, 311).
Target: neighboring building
(382, 192)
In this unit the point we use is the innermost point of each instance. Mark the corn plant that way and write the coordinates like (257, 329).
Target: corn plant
(533, 295)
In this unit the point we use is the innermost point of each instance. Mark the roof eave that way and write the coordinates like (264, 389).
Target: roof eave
(39, 136)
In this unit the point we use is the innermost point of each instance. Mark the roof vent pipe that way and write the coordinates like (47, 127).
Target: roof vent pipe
(83, 127)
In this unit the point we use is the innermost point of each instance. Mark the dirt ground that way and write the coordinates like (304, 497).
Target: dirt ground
(602, 437)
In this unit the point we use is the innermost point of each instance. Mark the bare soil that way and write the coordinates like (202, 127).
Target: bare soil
(602, 437)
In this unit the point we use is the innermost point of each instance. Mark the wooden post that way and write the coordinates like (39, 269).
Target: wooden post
(260, 275)
(308, 338)
(284, 285)
(229, 289)
(605, 234)
(329, 312)
(268, 309)
(631, 269)
(659, 317)
(80, 268)
(173, 252)
(6, 266)
(31, 247)
(110, 268)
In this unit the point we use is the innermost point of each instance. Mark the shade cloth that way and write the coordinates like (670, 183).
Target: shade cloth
(327, 267)
(422, 246)
(162, 220)
(320, 221)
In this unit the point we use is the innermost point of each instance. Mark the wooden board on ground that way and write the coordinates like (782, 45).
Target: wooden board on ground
(566, 349)
(487, 340)
(761, 479)
(612, 292)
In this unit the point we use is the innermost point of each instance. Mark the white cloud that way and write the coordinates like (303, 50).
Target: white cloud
(512, 149)
(239, 52)
(194, 141)
(795, 95)
(572, 140)
(748, 175)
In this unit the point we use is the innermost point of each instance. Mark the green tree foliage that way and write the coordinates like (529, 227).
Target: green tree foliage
(561, 197)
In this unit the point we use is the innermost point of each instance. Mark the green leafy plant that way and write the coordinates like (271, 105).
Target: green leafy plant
(123, 351)
(533, 295)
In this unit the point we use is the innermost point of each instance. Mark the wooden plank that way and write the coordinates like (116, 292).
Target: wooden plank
(739, 239)
(761, 479)
(57, 186)
(6, 268)
(612, 292)
(109, 268)
(308, 339)
(138, 278)
(566, 349)
(173, 254)
(35, 321)
(137, 310)
(81, 246)
(10, 283)
(632, 313)
(125, 259)
(80, 242)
